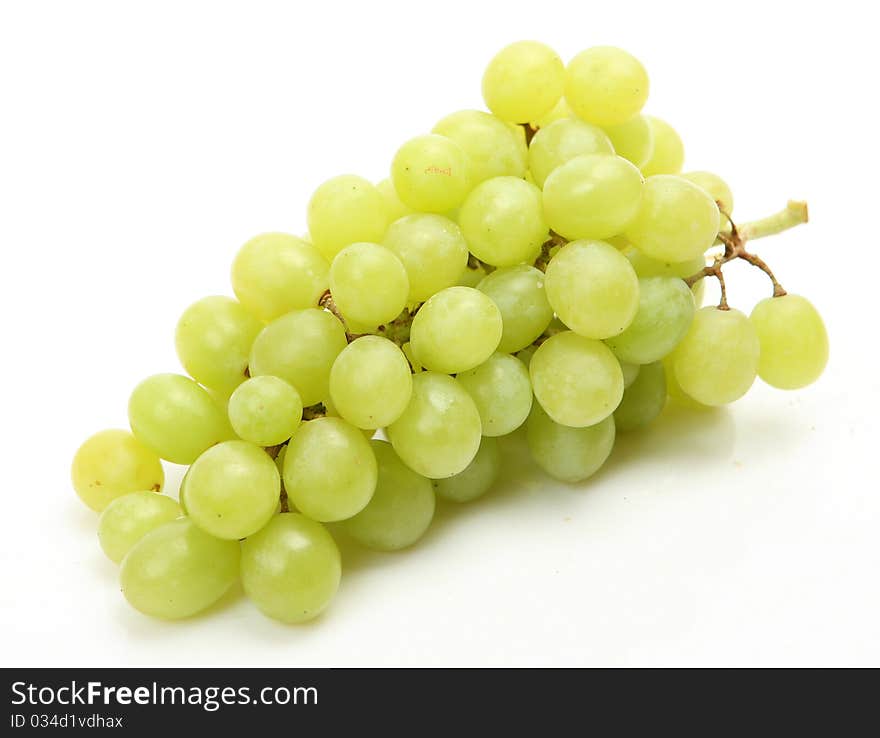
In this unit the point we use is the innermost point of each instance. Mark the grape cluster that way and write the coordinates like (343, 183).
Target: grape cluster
(538, 265)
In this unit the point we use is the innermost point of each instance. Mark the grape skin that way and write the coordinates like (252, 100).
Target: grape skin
(501, 390)
(633, 140)
(344, 210)
(477, 479)
(369, 284)
(129, 518)
(112, 463)
(577, 380)
(519, 294)
(490, 144)
(400, 510)
(565, 453)
(606, 86)
(291, 569)
(668, 154)
(431, 174)
(265, 410)
(643, 400)
(523, 81)
(178, 570)
(562, 141)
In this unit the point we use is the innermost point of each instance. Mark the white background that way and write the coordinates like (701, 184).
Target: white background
(142, 143)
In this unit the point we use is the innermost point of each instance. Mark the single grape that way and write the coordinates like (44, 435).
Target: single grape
(477, 478)
(562, 141)
(213, 340)
(394, 207)
(717, 361)
(593, 288)
(633, 140)
(456, 330)
(439, 432)
(232, 490)
(673, 388)
(178, 570)
(523, 81)
(643, 400)
(794, 343)
(343, 210)
(369, 284)
(593, 196)
(490, 144)
(176, 418)
(716, 188)
(431, 174)
(577, 380)
(265, 410)
(129, 518)
(677, 220)
(370, 382)
(502, 392)
(630, 373)
(668, 154)
(666, 309)
(300, 347)
(112, 463)
(401, 508)
(568, 454)
(291, 569)
(432, 250)
(518, 292)
(275, 273)
(502, 221)
(605, 85)
(329, 470)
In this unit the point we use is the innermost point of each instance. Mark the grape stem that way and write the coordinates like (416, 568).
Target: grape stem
(735, 240)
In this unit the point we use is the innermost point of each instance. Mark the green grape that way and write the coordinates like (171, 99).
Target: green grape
(369, 284)
(577, 380)
(456, 330)
(523, 81)
(329, 470)
(275, 273)
(717, 361)
(699, 290)
(439, 432)
(794, 343)
(666, 309)
(394, 207)
(489, 143)
(401, 508)
(265, 410)
(562, 141)
(643, 400)
(343, 210)
(519, 293)
(213, 340)
(593, 288)
(633, 140)
(129, 518)
(300, 347)
(502, 221)
(176, 418)
(593, 196)
(560, 111)
(716, 188)
(502, 392)
(112, 463)
(646, 266)
(677, 221)
(668, 154)
(431, 174)
(674, 390)
(630, 373)
(291, 569)
(525, 356)
(477, 478)
(232, 490)
(370, 382)
(433, 252)
(606, 86)
(568, 454)
(178, 570)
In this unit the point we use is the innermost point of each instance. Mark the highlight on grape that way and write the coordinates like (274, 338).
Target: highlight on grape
(537, 265)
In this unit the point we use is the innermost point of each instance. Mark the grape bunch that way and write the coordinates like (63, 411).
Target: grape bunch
(538, 265)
